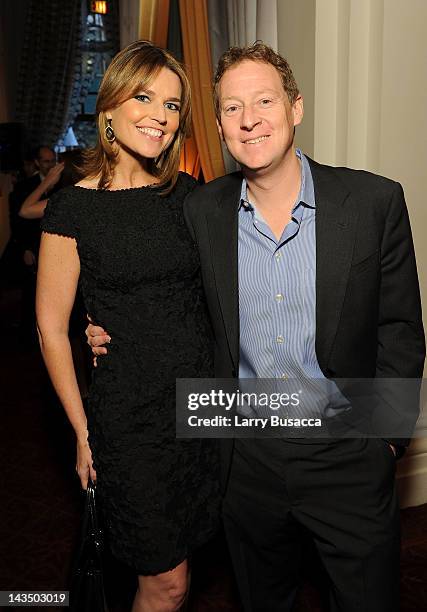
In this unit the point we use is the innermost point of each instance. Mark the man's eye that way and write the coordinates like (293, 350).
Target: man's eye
(229, 110)
(172, 106)
(265, 102)
(142, 98)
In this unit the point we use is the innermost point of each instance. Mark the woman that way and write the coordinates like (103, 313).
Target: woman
(122, 230)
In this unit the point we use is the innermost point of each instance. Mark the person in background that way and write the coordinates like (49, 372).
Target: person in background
(26, 231)
(120, 233)
(63, 174)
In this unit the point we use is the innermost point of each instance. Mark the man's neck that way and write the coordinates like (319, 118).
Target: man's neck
(278, 188)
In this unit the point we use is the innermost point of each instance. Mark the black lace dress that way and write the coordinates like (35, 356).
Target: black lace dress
(140, 280)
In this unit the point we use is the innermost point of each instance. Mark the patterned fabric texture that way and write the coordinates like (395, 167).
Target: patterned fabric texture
(50, 60)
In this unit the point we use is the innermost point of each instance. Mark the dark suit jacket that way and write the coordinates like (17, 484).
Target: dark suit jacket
(368, 312)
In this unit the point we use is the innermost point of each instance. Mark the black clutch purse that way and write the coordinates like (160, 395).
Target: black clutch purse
(87, 581)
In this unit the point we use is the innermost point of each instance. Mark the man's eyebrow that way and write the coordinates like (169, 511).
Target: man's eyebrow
(255, 93)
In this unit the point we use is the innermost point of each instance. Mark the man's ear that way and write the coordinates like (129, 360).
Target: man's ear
(218, 125)
(298, 110)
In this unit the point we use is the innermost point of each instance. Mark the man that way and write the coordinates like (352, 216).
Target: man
(309, 273)
(26, 233)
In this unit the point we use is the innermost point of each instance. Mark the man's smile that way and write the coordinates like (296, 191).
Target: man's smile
(256, 140)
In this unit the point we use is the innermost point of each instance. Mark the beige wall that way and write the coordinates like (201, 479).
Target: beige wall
(403, 121)
(402, 154)
(296, 42)
(362, 67)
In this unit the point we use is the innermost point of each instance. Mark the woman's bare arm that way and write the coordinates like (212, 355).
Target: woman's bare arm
(34, 205)
(58, 273)
(32, 208)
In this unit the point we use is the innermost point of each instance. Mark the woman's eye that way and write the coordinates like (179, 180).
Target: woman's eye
(172, 106)
(142, 98)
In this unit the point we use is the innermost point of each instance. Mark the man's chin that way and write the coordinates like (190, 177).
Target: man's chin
(254, 168)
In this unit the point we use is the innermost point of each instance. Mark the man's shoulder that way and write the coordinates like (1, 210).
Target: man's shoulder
(218, 188)
(24, 187)
(27, 184)
(351, 178)
(31, 181)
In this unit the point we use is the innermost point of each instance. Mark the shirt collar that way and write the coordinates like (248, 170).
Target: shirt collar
(306, 193)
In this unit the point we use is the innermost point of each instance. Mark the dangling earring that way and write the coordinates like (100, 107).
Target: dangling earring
(109, 132)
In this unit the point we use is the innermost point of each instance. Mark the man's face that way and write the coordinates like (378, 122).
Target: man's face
(257, 120)
(45, 160)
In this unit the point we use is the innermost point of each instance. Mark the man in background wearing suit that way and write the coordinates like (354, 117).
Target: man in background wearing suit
(309, 273)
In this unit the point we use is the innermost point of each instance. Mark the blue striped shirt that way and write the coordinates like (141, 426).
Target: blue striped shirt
(277, 299)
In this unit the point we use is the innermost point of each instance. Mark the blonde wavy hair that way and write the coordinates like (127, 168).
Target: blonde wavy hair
(129, 72)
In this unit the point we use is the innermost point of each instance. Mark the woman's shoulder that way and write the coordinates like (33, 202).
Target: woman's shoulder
(60, 215)
(88, 183)
(185, 184)
(67, 206)
(187, 179)
(68, 197)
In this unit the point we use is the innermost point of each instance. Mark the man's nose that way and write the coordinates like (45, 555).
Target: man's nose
(249, 118)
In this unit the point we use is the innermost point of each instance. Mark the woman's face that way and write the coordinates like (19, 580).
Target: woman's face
(146, 124)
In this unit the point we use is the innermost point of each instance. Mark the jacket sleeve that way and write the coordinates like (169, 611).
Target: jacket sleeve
(401, 345)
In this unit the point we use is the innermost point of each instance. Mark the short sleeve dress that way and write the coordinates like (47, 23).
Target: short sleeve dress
(140, 279)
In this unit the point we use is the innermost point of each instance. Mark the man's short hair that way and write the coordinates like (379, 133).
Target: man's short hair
(258, 52)
(38, 151)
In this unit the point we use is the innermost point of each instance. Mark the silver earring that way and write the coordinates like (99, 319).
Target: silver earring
(109, 132)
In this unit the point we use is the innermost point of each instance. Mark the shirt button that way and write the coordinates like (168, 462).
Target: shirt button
(280, 339)
(278, 255)
(283, 376)
(279, 297)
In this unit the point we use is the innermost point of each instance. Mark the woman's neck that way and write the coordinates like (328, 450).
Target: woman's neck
(130, 171)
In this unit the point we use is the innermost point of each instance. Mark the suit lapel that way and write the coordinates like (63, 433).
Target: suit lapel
(336, 223)
(223, 235)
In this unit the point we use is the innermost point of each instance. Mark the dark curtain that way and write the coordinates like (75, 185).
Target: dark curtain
(50, 68)
(174, 43)
(12, 19)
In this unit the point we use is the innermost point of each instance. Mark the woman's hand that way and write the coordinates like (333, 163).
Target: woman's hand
(97, 337)
(84, 467)
(53, 176)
